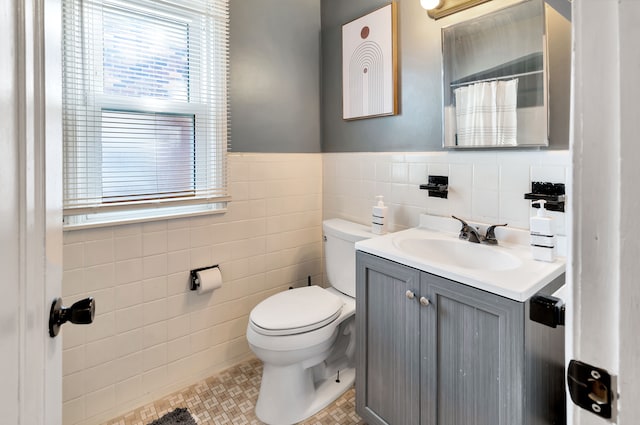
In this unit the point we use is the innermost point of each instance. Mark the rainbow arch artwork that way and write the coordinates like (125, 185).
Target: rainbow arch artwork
(369, 65)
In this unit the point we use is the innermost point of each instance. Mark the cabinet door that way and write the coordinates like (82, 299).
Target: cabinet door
(472, 364)
(387, 360)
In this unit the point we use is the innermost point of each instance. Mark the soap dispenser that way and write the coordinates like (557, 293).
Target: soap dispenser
(379, 217)
(543, 241)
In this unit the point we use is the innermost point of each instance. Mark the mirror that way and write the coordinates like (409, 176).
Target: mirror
(495, 79)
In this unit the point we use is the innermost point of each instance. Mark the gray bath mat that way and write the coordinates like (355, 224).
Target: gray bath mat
(180, 416)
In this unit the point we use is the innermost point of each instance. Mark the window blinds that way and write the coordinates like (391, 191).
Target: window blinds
(145, 103)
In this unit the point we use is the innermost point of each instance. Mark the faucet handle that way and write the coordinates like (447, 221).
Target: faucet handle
(467, 232)
(464, 223)
(490, 236)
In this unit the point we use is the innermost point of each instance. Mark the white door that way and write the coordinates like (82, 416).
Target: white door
(30, 211)
(606, 199)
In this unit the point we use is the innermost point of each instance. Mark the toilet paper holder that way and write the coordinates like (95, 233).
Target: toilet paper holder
(194, 283)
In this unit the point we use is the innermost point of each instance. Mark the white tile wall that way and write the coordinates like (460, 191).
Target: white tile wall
(152, 335)
(483, 186)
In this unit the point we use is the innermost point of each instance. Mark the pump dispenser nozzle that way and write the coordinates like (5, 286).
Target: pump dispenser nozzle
(541, 211)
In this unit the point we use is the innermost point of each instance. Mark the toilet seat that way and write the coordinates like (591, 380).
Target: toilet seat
(295, 311)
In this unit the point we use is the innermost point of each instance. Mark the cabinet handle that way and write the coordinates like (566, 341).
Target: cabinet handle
(409, 294)
(424, 301)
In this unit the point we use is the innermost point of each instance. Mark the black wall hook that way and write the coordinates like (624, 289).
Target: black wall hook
(552, 193)
(438, 186)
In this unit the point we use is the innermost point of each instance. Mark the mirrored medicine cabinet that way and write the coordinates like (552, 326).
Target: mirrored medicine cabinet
(506, 78)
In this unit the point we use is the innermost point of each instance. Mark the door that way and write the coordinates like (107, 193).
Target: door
(388, 358)
(30, 211)
(605, 200)
(473, 354)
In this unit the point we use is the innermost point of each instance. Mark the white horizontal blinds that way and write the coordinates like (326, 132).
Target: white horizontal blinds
(147, 156)
(145, 103)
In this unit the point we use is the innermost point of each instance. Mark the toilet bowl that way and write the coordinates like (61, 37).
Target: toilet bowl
(306, 336)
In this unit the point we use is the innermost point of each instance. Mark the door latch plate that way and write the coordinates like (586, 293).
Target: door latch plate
(590, 388)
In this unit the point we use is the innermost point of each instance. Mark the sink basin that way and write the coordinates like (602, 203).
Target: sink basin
(507, 269)
(458, 253)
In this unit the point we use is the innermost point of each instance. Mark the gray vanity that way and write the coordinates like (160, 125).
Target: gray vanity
(431, 350)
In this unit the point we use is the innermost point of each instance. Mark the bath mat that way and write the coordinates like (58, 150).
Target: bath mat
(180, 416)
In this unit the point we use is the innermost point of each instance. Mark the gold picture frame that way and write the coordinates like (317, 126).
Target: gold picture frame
(449, 7)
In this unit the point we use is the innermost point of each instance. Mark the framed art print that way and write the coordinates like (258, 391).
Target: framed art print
(369, 65)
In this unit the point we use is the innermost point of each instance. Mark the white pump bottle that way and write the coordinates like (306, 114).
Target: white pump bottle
(379, 217)
(543, 240)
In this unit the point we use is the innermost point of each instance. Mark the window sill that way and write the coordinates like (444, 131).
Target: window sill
(140, 216)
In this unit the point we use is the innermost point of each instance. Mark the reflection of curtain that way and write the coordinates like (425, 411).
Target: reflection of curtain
(486, 113)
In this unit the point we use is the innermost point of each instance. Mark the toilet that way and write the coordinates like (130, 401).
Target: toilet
(306, 336)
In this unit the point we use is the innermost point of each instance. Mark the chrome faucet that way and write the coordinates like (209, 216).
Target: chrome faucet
(490, 236)
(467, 232)
(470, 233)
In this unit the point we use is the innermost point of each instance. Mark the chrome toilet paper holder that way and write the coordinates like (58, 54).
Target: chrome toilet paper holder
(194, 282)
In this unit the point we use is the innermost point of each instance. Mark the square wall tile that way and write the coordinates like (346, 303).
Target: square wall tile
(485, 205)
(128, 271)
(73, 411)
(128, 247)
(438, 169)
(100, 401)
(100, 352)
(128, 295)
(103, 326)
(486, 177)
(73, 360)
(154, 266)
(129, 389)
(154, 243)
(73, 386)
(154, 334)
(460, 189)
(73, 255)
(128, 319)
(515, 178)
(514, 210)
(400, 172)
(73, 282)
(546, 173)
(99, 277)
(128, 342)
(418, 173)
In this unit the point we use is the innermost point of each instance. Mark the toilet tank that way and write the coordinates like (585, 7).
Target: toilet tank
(340, 237)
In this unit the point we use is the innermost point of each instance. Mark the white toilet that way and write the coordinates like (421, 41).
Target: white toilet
(306, 336)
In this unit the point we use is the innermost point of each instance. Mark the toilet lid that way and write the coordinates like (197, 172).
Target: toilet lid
(295, 311)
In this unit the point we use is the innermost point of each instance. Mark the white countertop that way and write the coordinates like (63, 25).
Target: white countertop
(518, 283)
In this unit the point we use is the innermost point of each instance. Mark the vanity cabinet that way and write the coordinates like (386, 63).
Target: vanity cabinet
(432, 351)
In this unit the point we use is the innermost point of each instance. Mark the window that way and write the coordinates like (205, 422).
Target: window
(145, 109)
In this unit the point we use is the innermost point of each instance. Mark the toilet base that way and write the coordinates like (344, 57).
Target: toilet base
(289, 395)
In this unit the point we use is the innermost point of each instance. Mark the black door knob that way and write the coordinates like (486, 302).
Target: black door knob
(80, 313)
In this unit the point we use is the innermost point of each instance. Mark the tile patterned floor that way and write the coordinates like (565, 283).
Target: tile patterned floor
(229, 399)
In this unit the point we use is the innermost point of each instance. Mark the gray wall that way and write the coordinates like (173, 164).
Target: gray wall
(275, 75)
(286, 88)
(418, 125)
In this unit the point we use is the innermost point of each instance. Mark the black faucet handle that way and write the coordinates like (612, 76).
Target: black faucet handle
(490, 236)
